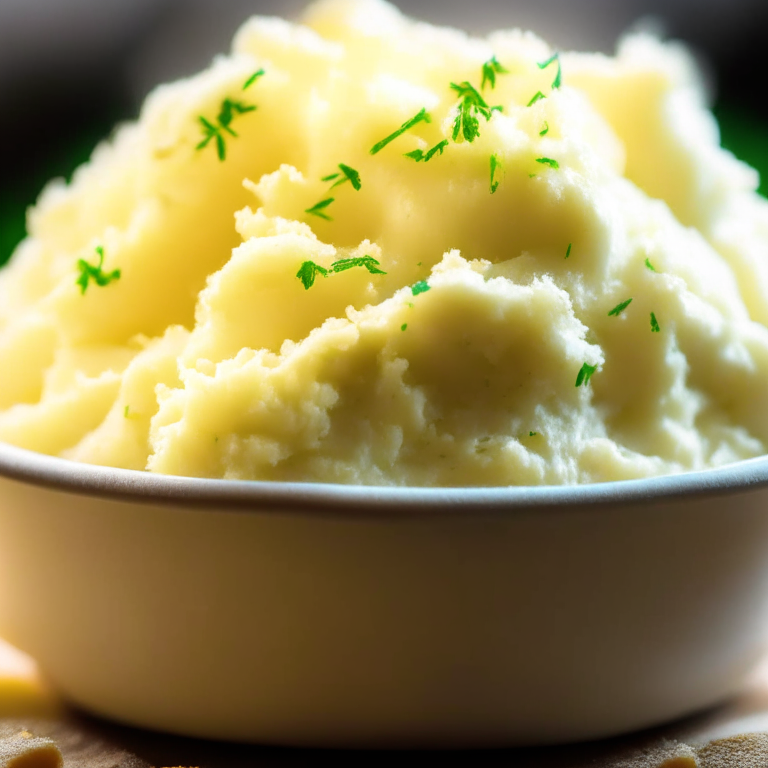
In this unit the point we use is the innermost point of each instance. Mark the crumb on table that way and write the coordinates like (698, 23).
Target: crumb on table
(25, 751)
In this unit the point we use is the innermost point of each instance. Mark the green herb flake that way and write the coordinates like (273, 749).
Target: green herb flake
(229, 110)
(96, 273)
(471, 104)
(128, 414)
(650, 266)
(349, 174)
(331, 177)
(465, 124)
(215, 131)
(421, 117)
(404, 327)
(545, 130)
(319, 209)
(538, 96)
(424, 157)
(491, 68)
(655, 327)
(568, 252)
(421, 287)
(466, 90)
(619, 308)
(585, 374)
(495, 166)
(558, 81)
(437, 149)
(308, 273)
(548, 161)
(360, 261)
(253, 78)
(533, 434)
(212, 131)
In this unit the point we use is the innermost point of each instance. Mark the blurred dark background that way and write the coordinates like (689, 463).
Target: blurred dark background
(71, 69)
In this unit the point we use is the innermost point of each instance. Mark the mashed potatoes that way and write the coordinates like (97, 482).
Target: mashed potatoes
(458, 314)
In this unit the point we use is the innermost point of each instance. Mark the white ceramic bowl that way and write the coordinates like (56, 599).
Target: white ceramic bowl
(328, 615)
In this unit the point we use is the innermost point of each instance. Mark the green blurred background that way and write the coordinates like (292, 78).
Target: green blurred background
(15, 199)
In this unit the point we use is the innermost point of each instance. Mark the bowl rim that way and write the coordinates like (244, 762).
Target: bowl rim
(145, 488)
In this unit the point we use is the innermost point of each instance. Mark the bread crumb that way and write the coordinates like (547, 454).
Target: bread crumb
(25, 751)
(680, 762)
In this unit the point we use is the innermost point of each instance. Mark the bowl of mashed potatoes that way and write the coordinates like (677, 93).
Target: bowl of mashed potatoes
(384, 385)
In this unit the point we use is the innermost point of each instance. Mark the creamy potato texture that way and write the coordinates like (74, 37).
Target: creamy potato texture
(430, 325)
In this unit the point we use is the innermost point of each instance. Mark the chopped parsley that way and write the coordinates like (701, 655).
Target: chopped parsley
(347, 174)
(93, 272)
(585, 374)
(649, 265)
(655, 328)
(359, 261)
(421, 287)
(404, 327)
(558, 81)
(229, 110)
(568, 252)
(319, 209)
(126, 411)
(545, 130)
(538, 96)
(495, 166)
(422, 117)
(619, 308)
(533, 434)
(424, 157)
(253, 78)
(308, 273)
(548, 161)
(491, 68)
(213, 131)
(471, 104)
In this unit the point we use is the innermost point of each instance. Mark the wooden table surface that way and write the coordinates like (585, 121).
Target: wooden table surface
(732, 736)
(720, 739)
